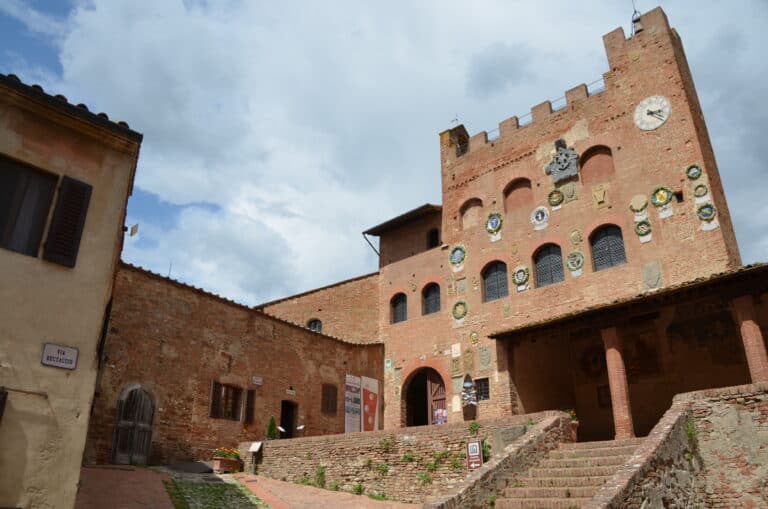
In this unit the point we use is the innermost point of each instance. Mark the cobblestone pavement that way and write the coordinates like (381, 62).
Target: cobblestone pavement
(122, 487)
(285, 495)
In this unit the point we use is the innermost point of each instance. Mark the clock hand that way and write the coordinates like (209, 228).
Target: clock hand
(656, 113)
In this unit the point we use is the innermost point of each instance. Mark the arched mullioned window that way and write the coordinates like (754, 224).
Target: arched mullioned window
(518, 194)
(597, 165)
(430, 299)
(607, 247)
(548, 261)
(315, 325)
(399, 306)
(495, 281)
(471, 212)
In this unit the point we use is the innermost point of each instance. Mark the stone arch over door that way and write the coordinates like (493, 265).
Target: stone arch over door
(424, 398)
(133, 426)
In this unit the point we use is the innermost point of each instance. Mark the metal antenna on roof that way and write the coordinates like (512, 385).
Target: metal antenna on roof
(170, 266)
(455, 120)
(637, 25)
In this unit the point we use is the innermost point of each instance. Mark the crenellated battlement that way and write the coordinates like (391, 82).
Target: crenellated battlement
(621, 52)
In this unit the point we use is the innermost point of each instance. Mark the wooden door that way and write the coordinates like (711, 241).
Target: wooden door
(436, 399)
(133, 433)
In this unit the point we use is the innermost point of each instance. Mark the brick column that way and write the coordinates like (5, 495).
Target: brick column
(754, 345)
(617, 380)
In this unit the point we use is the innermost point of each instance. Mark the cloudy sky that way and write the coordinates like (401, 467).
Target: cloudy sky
(275, 132)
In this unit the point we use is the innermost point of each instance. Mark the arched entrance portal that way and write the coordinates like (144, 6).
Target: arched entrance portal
(133, 430)
(425, 399)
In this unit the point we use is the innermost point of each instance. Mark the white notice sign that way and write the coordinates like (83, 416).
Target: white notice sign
(59, 356)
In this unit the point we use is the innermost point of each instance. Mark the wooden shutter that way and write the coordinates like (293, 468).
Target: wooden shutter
(608, 248)
(66, 229)
(250, 404)
(329, 399)
(549, 265)
(215, 409)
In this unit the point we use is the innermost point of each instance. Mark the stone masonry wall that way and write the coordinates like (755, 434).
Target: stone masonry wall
(349, 310)
(174, 340)
(709, 450)
(409, 465)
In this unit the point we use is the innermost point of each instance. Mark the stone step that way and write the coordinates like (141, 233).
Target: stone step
(571, 492)
(626, 450)
(540, 471)
(559, 482)
(540, 503)
(601, 444)
(583, 462)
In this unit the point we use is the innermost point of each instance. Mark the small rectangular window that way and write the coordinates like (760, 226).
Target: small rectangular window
(226, 401)
(483, 389)
(25, 199)
(329, 401)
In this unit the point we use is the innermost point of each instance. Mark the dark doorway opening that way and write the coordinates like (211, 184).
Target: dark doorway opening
(425, 399)
(133, 430)
(288, 418)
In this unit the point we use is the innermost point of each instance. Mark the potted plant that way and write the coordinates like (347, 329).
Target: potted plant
(226, 460)
(574, 423)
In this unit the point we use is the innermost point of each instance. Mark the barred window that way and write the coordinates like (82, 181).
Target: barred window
(328, 401)
(399, 305)
(430, 299)
(315, 325)
(549, 265)
(483, 388)
(495, 281)
(607, 247)
(226, 401)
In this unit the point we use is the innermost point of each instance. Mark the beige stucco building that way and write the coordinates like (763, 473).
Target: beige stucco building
(65, 177)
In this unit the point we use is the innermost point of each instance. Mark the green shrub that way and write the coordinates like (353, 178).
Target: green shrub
(441, 455)
(408, 457)
(377, 495)
(368, 463)
(320, 477)
(457, 464)
(387, 444)
(305, 480)
(358, 488)
(383, 468)
(335, 486)
(690, 430)
(272, 429)
(431, 466)
(486, 450)
(473, 427)
(425, 478)
(492, 501)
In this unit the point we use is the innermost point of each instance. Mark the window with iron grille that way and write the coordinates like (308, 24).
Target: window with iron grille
(399, 306)
(430, 299)
(25, 199)
(226, 401)
(607, 247)
(315, 325)
(433, 238)
(495, 281)
(549, 265)
(328, 402)
(483, 388)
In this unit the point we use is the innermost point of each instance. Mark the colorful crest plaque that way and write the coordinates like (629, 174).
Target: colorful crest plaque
(693, 172)
(520, 276)
(540, 217)
(643, 228)
(575, 261)
(661, 196)
(458, 253)
(493, 223)
(706, 212)
(555, 198)
(460, 310)
(700, 191)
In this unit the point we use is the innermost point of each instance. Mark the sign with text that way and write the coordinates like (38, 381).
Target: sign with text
(352, 404)
(370, 403)
(59, 356)
(474, 455)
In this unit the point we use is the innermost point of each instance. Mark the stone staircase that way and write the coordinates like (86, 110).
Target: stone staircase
(568, 476)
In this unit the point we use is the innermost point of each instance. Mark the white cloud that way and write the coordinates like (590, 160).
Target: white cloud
(306, 123)
(32, 19)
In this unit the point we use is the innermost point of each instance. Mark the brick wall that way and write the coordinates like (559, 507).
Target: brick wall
(378, 460)
(174, 340)
(348, 310)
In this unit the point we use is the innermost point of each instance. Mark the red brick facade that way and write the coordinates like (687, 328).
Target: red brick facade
(174, 340)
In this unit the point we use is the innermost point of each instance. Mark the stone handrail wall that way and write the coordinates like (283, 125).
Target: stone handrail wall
(498, 473)
(406, 464)
(710, 449)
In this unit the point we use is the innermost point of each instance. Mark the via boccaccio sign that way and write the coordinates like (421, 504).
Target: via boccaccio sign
(59, 356)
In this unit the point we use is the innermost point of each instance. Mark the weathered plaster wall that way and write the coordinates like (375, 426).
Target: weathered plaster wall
(174, 340)
(42, 438)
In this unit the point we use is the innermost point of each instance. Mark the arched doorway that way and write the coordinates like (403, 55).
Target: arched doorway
(133, 429)
(425, 399)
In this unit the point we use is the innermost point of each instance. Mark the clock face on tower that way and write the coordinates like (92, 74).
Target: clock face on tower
(652, 112)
